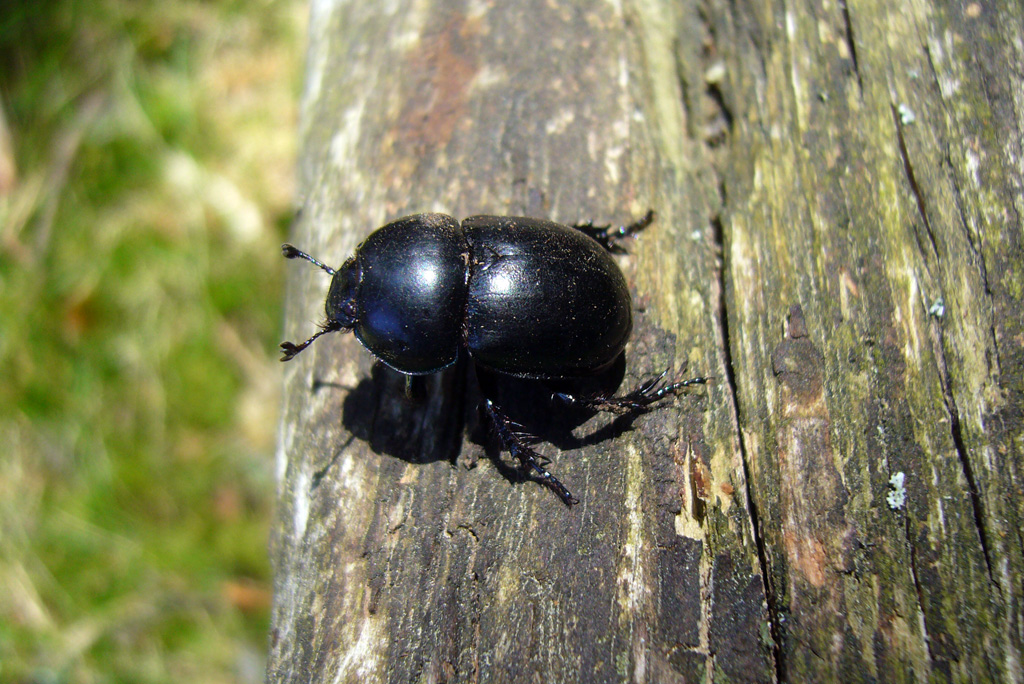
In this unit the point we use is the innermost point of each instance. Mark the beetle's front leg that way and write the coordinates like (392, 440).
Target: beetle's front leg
(516, 441)
(639, 400)
(609, 236)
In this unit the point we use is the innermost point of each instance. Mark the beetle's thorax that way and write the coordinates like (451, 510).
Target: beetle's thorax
(411, 292)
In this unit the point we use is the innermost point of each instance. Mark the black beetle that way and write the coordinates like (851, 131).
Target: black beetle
(522, 296)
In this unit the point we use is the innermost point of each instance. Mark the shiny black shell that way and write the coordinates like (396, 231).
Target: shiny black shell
(524, 297)
(545, 300)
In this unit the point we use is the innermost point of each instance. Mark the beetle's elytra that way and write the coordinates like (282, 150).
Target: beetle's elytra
(520, 296)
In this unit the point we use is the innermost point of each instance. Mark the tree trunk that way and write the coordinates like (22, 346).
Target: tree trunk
(838, 242)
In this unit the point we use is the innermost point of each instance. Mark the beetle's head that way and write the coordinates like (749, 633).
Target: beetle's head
(341, 299)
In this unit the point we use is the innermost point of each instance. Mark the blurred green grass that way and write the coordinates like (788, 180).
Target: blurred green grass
(146, 183)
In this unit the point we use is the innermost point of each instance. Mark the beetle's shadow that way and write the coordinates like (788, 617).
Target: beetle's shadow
(378, 412)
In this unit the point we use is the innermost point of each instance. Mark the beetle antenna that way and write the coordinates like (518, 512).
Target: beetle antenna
(290, 349)
(291, 252)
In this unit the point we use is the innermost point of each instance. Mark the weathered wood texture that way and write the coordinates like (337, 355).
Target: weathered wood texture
(823, 174)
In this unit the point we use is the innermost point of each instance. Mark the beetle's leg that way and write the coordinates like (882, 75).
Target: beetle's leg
(639, 400)
(513, 439)
(415, 389)
(609, 236)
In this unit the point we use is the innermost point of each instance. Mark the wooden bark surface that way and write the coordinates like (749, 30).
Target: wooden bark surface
(823, 174)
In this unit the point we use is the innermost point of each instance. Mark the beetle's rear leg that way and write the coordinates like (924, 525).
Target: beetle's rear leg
(517, 442)
(609, 236)
(639, 400)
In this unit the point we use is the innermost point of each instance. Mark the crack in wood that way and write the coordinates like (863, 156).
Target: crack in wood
(963, 457)
(979, 255)
(918, 588)
(844, 5)
(720, 126)
(716, 114)
(689, 116)
(972, 482)
(722, 315)
(915, 188)
(949, 400)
